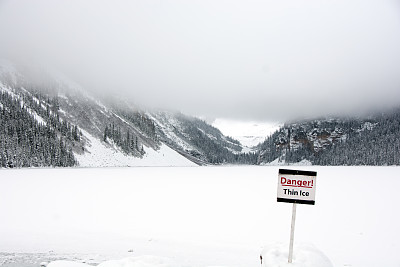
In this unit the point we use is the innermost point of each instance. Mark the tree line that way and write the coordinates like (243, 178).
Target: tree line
(371, 141)
(127, 141)
(26, 141)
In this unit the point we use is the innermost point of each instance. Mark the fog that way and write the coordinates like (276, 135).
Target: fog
(240, 60)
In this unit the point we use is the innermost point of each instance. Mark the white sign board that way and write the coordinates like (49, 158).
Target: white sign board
(296, 186)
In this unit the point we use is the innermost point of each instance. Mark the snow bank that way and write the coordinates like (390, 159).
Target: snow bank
(63, 263)
(303, 256)
(141, 261)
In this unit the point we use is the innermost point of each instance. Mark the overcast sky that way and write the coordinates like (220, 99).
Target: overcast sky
(244, 60)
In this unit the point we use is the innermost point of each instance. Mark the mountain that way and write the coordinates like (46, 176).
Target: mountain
(48, 120)
(374, 140)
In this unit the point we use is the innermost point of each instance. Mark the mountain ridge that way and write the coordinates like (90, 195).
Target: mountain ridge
(118, 125)
(55, 122)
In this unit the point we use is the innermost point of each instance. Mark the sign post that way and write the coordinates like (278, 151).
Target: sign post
(290, 259)
(296, 186)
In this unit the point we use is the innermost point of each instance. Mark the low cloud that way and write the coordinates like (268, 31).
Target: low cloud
(259, 60)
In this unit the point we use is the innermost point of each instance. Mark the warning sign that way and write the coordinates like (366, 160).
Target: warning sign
(296, 186)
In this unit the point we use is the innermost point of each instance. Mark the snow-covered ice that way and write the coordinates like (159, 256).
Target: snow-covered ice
(141, 261)
(66, 263)
(273, 256)
(199, 216)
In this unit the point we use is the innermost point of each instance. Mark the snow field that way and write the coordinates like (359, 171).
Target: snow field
(100, 155)
(305, 255)
(273, 256)
(142, 261)
(202, 216)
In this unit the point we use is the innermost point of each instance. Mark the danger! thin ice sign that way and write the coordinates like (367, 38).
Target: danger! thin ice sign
(296, 186)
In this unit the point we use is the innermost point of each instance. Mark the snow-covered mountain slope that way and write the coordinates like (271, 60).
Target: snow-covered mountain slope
(195, 138)
(90, 130)
(99, 154)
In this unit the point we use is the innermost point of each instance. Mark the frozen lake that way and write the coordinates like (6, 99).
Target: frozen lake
(199, 216)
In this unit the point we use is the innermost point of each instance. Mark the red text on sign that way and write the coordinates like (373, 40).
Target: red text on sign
(296, 183)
